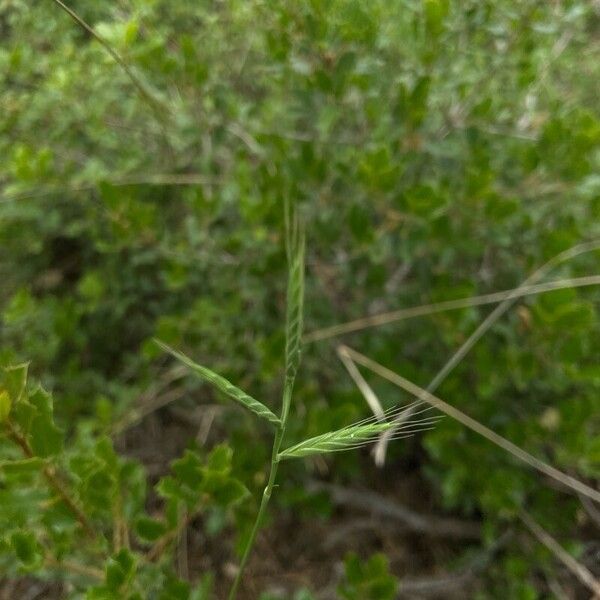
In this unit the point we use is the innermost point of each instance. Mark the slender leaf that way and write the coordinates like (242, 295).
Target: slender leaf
(223, 385)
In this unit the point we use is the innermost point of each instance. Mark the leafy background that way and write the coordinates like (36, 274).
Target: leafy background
(436, 149)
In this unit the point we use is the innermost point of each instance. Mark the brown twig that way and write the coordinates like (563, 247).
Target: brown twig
(53, 480)
(74, 567)
(591, 510)
(161, 544)
(444, 585)
(386, 508)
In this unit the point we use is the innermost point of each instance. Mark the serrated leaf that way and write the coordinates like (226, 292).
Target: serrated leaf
(46, 439)
(219, 459)
(15, 380)
(23, 414)
(223, 385)
(120, 569)
(188, 469)
(230, 492)
(98, 490)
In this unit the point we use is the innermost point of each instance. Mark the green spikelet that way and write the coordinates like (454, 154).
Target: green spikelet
(223, 385)
(295, 293)
(342, 439)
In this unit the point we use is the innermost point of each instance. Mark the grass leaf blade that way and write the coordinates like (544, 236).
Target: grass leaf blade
(223, 385)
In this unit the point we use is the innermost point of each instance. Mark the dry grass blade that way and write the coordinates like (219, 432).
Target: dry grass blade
(365, 389)
(580, 571)
(447, 305)
(223, 385)
(472, 424)
(488, 322)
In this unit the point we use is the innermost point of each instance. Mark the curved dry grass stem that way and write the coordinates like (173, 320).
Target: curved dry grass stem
(447, 305)
(365, 389)
(580, 571)
(487, 323)
(472, 424)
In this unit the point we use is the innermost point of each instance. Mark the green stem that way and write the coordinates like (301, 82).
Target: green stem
(266, 497)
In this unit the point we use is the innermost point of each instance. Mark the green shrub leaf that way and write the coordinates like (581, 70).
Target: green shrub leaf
(5, 405)
(26, 547)
(148, 529)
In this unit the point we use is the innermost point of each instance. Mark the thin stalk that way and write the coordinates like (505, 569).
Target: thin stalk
(580, 571)
(266, 497)
(162, 543)
(472, 424)
(293, 336)
(447, 305)
(74, 568)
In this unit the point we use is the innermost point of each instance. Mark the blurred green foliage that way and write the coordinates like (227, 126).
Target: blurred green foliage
(370, 580)
(73, 510)
(437, 149)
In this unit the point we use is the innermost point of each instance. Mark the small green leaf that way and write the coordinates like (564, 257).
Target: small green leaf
(219, 460)
(230, 492)
(148, 529)
(223, 385)
(46, 437)
(175, 589)
(435, 13)
(22, 467)
(188, 469)
(370, 580)
(26, 547)
(5, 405)
(120, 569)
(15, 380)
